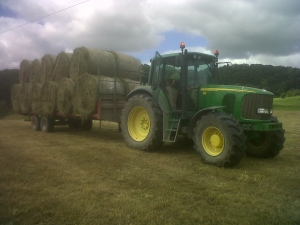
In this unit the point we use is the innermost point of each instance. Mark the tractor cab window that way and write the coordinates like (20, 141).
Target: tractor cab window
(199, 73)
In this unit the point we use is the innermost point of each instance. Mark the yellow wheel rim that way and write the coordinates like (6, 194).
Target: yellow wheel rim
(138, 123)
(213, 141)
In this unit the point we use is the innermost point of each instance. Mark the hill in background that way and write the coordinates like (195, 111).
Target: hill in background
(7, 79)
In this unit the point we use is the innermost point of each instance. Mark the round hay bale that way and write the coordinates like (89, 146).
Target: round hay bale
(86, 92)
(35, 76)
(85, 95)
(47, 68)
(129, 84)
(48, 98)
(89, 60)
(25, 94)
(62, 66)
(35, 97)
(25, 71)
(106, 86)
(127, 66)
(15, 95)
(65, 96)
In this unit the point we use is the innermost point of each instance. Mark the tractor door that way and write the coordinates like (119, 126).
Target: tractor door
(157, 70)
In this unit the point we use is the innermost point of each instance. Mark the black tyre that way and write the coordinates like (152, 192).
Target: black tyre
(265, 144)
(47, 124)
(35, 123)
(87, 125)
(142, 123)
(219, 139)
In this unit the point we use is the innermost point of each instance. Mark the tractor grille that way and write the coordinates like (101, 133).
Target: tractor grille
(250, 104)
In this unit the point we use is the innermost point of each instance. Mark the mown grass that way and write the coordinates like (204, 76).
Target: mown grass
(287, 104)
(73, 177)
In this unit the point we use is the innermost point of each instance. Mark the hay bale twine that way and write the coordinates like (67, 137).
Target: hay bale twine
(48, 98)
(127, 66)
(47, 68)
(65, 96)
(62, 66)
(24, 100)
(25, 71)
(35, 67)
(35, 97)
(15, 95)
(86, 60)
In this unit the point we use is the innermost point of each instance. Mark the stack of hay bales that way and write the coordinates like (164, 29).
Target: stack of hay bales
(71, 83)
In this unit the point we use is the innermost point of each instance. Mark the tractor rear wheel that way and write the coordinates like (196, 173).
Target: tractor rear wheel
(142, 123)
(267, 144)
(47, 124)
(35, 123)
(219, 139)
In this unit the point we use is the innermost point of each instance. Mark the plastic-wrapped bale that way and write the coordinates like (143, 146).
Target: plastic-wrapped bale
(35, 97)
(15, 95)
(25, 97)
(48, 99)
(35, 75)
(86, 92)
(25, 71)
(62, 66)
(127, 66)
(65, 96)
(47, 68)
(86, 60)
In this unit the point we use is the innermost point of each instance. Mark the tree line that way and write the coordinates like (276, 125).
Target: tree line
(282, 81)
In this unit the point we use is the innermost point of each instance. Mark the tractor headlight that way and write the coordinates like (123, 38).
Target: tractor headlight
(264, 111)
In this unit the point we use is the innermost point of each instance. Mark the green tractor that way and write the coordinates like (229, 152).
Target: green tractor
(181, 97)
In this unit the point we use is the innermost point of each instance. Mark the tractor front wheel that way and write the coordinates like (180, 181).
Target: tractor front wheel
(266, 144)
(142, 123)
(219, 139)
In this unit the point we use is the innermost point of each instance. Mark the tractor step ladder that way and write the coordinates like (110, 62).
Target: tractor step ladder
(171, 127)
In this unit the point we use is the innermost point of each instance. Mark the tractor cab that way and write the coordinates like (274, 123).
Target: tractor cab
(180, 76)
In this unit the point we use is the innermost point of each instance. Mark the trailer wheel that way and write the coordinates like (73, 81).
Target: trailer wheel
(35, 123)
(87, 125)
(142, 123)
(47, 124)
(219, 139)
(266, 144)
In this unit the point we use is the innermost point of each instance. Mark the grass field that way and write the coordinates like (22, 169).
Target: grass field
(73, 177)
(287, 104)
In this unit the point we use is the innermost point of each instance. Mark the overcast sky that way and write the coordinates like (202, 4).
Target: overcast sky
(244, 31)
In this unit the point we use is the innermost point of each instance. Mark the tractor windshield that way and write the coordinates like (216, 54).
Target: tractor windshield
(199, 73)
